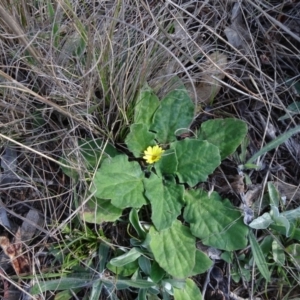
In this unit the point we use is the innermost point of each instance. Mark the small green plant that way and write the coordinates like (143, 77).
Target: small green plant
(157, 179)
(161, 171)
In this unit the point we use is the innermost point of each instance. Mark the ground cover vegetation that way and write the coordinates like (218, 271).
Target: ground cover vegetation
(150, 149)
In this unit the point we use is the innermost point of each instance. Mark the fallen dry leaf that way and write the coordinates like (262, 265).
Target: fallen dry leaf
(29, 227)
(209, 87)
(237, 33)
(13, 250)
(252, 194)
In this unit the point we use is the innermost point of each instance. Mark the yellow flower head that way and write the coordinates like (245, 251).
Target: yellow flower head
(153, 154)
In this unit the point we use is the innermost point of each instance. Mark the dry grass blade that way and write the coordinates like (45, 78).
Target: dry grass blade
(35, 151)
(43, 100)
(12, 25)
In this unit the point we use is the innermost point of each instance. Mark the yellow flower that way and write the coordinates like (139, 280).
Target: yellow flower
(153, 154)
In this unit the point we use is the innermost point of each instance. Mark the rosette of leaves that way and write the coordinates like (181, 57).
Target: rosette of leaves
(122, 183)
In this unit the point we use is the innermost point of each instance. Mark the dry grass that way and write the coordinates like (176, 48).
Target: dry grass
(72, 69)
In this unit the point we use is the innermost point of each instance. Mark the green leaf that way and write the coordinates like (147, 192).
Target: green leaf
(157, 273)
(226, 134)
(96, 290)
(94, 150)
(135, 222)
(142, 295)
(121, 181)
(203, 263)
(174, 249)
(139, 138)
(121, 284)
(196, 160)
(145, 265)
(294, 251)
(63, 283)
(278, 253)
(146, 104)
(98, 211)
(266, 245)
(217, 223)
(103, 255)
(262, 222)
(167, 164)
(227, 256)
(259, 257)
(37, 118)
(275, 143)
(189, 292)
(65, 295)
(126, 258)
(292, 215)
(126, 270)
(176, 111)
(280, 220)
(166, 200)
(69, 171)
(293, 109)
(273, 194)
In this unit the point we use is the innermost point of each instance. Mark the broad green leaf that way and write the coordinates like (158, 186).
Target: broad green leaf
(121, 181)
(167, 164)
(189, 292)
(275, 143)
(293, 109)
(145, 106)
(226, 134)
(203, 263)
(126, 258)
(273, 194)
(176, 111)
(174, 249)
(196, 160)
(215, 221)
(259, 257)
(98, 211)
(166, 200)
(262, 222)
(139, 138)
